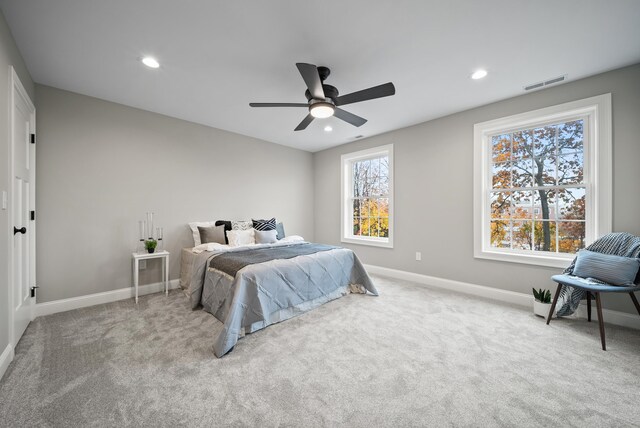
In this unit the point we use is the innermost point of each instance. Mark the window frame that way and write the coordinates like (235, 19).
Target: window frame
(346, 209)
(597, 175)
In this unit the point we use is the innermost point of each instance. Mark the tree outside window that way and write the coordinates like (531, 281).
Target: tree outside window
(538, 190)
(543, 182)
(370, 199)
(367, 183)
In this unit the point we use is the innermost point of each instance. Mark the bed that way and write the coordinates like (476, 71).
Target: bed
(250, 287)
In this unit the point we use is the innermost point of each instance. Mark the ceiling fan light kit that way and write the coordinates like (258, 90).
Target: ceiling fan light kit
(321, 109)
(323, 100)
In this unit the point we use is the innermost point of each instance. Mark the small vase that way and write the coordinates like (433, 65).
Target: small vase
(541, 309)
(151, 250)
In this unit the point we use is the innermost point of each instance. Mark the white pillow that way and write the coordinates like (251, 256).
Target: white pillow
(241, 237)
(266, 236)
(196, 233)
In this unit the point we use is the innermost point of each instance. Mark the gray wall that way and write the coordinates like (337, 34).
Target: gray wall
(102, 166)
(434, 187)
(9, 56)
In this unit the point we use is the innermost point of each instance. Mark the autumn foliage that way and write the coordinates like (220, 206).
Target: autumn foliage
(371, 197)
(538, 192)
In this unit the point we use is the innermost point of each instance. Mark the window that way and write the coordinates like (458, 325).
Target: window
(367, 197)
(543, 182)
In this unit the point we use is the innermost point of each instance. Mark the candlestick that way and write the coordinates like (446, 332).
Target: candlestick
(150, 224)
(142, 229)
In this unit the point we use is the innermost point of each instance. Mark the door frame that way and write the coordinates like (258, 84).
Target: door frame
(16, 88)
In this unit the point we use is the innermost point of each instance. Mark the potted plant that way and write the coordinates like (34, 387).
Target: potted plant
(150, 245)
(541, 302)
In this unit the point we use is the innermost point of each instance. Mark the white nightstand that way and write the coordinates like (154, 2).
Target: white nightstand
(164, 255)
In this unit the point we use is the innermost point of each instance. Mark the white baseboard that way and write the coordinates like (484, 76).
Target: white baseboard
(5, 359)
(612, 317)
(449, 284)
(64, 305)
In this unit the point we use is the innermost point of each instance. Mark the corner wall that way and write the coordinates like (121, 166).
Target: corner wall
(434, 187)
(102, 166)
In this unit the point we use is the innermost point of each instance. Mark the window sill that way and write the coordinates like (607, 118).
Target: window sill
(370, 242)
(555, 261)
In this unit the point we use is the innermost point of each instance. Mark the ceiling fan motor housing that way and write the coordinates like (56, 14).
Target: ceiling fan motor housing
(331, 93)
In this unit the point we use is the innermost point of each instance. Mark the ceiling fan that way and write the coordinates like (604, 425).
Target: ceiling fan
(323, 100)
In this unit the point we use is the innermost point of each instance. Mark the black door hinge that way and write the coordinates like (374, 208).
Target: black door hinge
(33, 215)
(33, 290)
(33, 138)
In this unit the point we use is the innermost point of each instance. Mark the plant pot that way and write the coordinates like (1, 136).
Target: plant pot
(151, 250)
(541, 309)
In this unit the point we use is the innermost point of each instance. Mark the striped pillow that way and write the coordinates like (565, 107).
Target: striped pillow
(264, 224)
(614, 270)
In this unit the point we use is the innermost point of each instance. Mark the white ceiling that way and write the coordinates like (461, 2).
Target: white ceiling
(217, 56)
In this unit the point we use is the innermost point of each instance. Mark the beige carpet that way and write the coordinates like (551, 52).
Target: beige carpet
(412, 357)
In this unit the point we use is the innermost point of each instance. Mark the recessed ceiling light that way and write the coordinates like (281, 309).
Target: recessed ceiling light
(150, 62)
(328, 128)
(479, 74)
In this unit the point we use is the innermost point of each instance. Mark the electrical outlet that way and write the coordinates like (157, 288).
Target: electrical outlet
(418, 255)
(143, 264)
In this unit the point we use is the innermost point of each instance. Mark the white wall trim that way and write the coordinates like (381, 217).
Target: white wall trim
(449, 284)
(5, 359)
(596, 111)
(622, 319)
(64, 305)
(346, 181)
(522, 299)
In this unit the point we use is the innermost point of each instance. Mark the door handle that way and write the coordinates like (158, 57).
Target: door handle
(22, 230)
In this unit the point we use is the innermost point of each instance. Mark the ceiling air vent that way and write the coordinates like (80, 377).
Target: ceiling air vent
(546, 83)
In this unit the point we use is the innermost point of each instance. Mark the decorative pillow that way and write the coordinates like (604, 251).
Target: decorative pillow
(212, 234)
(241, 237)
(280, 229)
(266, 236)
(196, 233)
(264, 224)
(227, 226)
(241, 225)
(614, 270)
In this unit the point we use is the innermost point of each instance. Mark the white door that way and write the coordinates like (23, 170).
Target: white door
(22, 154)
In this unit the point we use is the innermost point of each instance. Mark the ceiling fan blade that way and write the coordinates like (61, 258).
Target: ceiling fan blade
(305, 122)
(349, 117)
(367, 94)
(278, 105)
(311, 77)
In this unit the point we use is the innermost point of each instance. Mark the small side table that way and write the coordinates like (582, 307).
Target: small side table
(164, 255)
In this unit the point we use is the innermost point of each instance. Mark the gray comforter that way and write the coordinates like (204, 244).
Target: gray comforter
(266, 292)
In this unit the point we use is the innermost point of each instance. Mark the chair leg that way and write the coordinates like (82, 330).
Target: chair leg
(553, 305)
(600, 321)
(589, 306)
(635, 302)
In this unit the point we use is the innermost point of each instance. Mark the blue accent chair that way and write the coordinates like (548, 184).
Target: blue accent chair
(593, 291)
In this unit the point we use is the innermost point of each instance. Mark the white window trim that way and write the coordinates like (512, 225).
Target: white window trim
(346, 184)
(598, 175)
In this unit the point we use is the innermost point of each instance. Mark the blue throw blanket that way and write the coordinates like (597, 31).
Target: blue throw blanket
(231, 263)
(617, 244)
